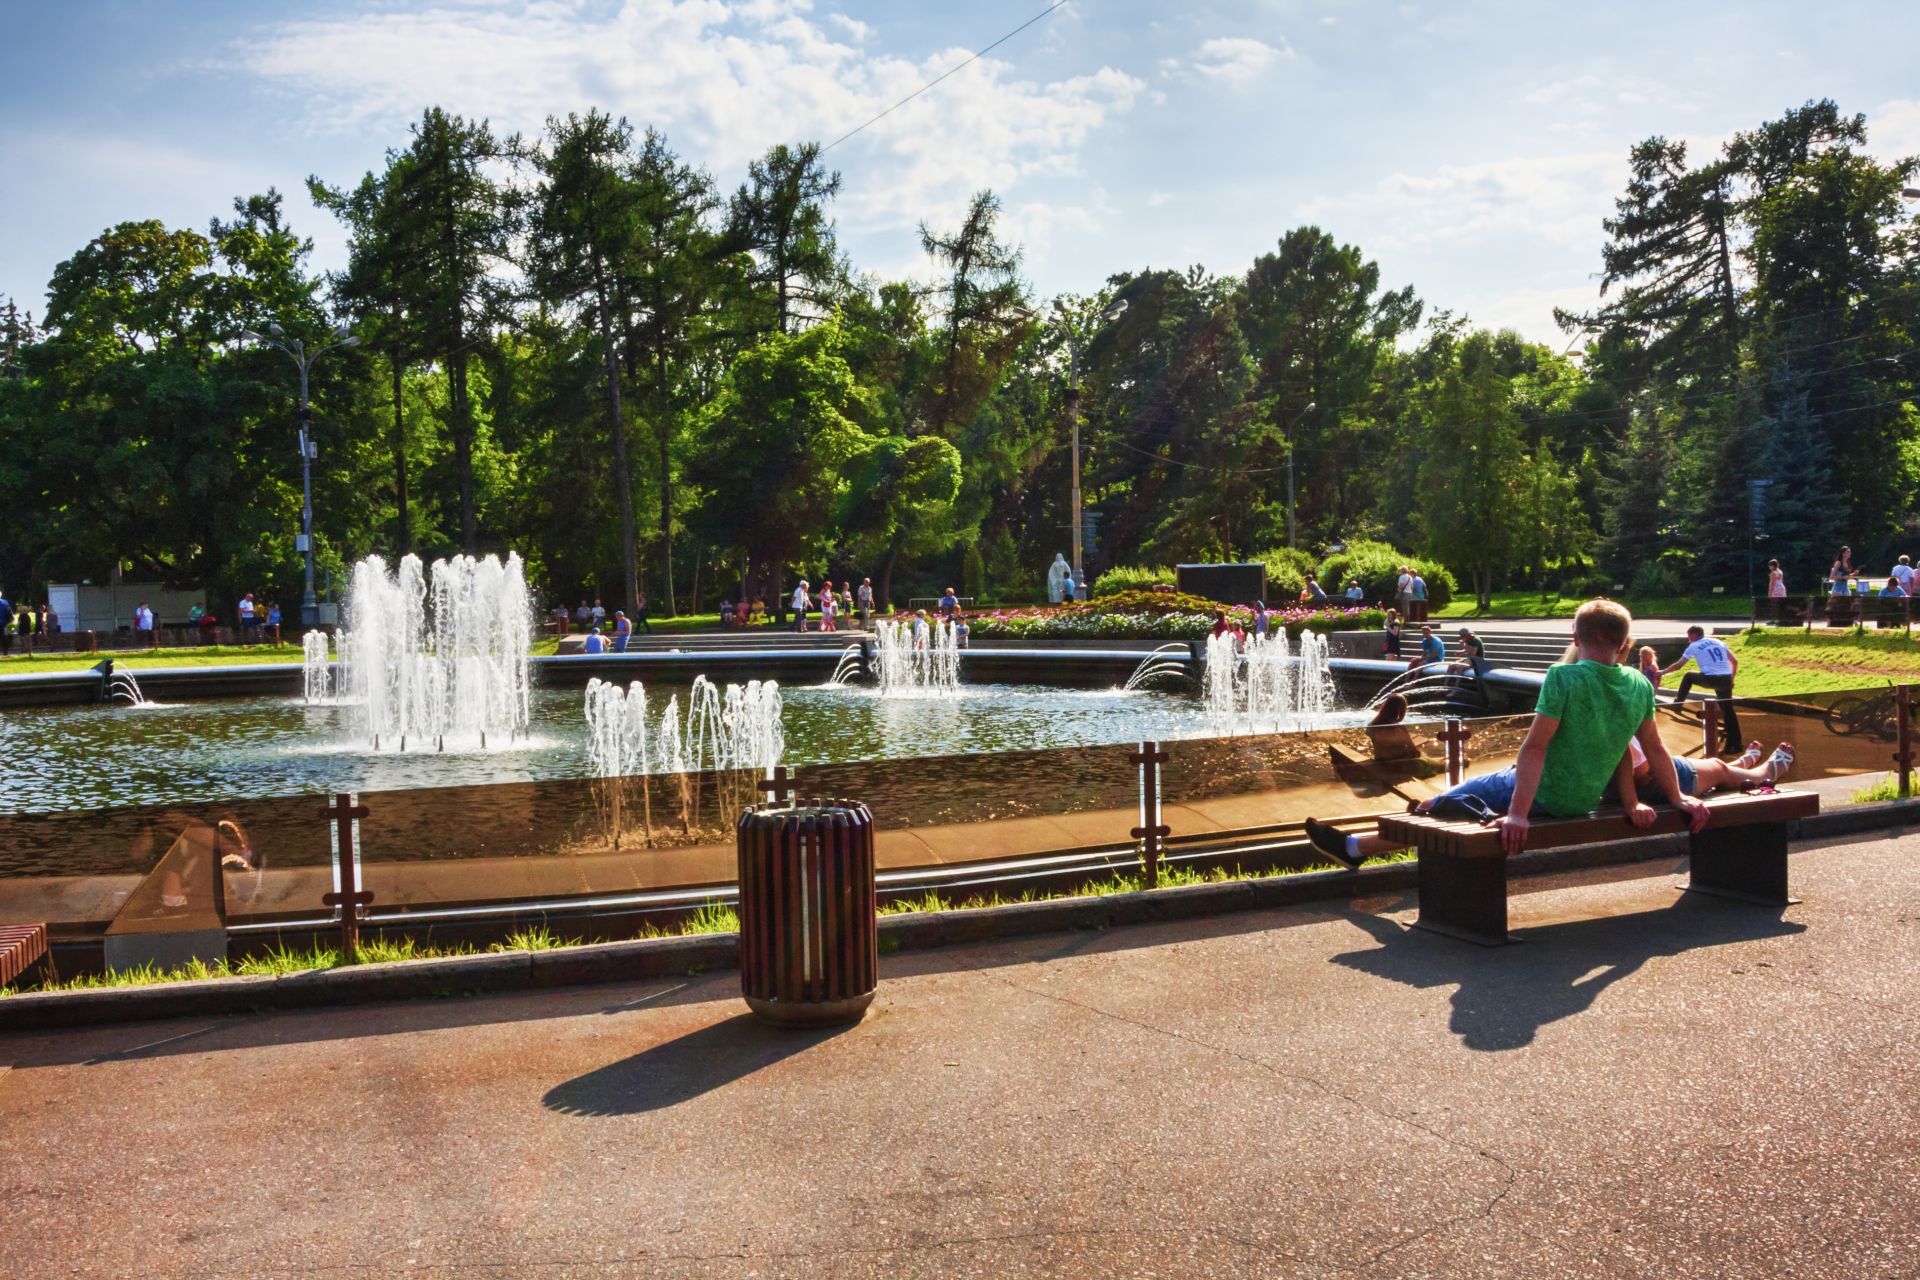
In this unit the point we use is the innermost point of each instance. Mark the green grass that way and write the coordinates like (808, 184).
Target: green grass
(1776, 662)
(1887, 788)
(537, 938)
(1528, 604)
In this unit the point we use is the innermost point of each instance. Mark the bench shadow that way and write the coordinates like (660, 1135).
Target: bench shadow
(684, 1068)
(1504, 995)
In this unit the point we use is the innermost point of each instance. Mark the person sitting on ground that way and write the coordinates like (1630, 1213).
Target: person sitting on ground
(1586, 714)
(1432, 648)
(1391, 738)
(595, 642)
(1391, 649)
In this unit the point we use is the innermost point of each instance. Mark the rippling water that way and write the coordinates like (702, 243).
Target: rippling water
(70, 758)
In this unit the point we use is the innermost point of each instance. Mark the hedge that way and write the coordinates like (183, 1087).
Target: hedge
(1377, 567)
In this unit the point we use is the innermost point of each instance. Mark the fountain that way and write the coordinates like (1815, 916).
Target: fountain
(1268, 688)
(122, 687)
(457, 670)
(738, 728)
(847, 667)
(1169, 660)
(316, 668)
(915, 658)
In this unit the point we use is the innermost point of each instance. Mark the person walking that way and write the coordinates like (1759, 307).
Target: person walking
(865, 597)
(1717, 668)
(1903, 570)
(640, 612)
(829, 606)
(1419, 597)
(801, 603)
(622, 631)
(1403, 592)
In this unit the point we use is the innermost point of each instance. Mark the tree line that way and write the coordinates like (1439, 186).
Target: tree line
(580, 346)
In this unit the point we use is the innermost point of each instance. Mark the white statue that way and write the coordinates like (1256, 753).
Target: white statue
(1058, 575)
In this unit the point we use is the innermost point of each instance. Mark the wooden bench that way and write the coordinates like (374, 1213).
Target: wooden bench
(1742, 853)
(22, 946)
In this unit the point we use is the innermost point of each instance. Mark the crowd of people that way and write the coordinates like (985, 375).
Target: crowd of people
(25, 621)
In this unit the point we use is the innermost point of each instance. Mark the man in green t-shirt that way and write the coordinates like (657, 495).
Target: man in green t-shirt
(1587, 713)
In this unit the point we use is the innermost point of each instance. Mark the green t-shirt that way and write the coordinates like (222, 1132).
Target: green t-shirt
(1599, 706)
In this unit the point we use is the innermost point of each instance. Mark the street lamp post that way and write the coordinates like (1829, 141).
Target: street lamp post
(304, 360)
(1073, 413)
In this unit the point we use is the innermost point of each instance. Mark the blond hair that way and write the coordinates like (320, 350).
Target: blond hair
(1602, 622)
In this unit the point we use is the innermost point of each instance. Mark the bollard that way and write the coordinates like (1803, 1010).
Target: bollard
(1454, 735)
(1151, 830)
(809, 926)
(1710, 729)
(350, 900)
(1903, 734)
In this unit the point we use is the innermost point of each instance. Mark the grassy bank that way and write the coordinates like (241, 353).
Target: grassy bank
(1786, 661)
(1528, 604)
(209, 655)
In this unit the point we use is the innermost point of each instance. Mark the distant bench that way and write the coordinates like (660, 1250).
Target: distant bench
(1741, 854)
(22, 948)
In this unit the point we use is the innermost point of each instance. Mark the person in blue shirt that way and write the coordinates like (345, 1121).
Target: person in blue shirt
(1432, 648)
(596, 643)
(622, 630)
(1893, 589)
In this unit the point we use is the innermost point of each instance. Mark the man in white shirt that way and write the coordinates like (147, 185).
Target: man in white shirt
(1403, 593)
(1904, 572)
(1717, 667)
(800, 605)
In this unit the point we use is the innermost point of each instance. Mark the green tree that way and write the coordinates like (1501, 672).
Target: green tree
(779, 215)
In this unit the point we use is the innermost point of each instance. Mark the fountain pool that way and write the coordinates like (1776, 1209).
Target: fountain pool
(68, 758)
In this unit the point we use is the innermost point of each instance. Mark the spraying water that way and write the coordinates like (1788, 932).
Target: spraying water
(1268, 689)
(316, 668)
(916, 658)
(1166, 662)
(453, 672)
(122, 687)
(738, 728)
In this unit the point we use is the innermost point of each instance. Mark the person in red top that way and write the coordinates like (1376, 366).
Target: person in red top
(1219, 623)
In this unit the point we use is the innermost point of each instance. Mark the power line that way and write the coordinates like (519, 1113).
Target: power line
(937, 79)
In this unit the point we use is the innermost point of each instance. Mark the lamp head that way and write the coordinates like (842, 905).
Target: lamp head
(273, 327)
(248, 335)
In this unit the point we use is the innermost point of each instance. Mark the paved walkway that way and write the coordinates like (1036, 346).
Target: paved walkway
(1650, 1086)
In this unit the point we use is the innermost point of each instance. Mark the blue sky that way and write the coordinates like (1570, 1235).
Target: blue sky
(1470, 147)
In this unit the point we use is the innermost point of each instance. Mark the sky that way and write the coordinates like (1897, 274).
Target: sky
(1470, 147)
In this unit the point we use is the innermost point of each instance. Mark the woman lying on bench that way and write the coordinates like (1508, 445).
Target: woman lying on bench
(1706, 775)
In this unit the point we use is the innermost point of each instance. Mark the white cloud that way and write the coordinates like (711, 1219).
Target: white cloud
(724, 81)
(1893, 130)
(1557, 198)
(1237, 59)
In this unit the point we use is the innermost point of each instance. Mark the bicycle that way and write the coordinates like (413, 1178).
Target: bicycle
(1867, 713)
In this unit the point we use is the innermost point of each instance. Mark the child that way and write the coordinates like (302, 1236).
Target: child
(1650, 667)
(1587, 713)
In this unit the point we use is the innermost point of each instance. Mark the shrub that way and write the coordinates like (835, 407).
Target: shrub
(1132, 577)
(1587, 588)
(1376, 566)
(1287, 570)
(1655, 580)
(1145, 615)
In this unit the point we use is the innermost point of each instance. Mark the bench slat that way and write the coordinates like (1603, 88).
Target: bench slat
(1471, 840)
(21, 947)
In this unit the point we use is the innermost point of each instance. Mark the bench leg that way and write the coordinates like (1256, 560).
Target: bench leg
(1745, 863)
(1464, 898)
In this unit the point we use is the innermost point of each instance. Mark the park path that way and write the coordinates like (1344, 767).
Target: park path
(1652, 1085)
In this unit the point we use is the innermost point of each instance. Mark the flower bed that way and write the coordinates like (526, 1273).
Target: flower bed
(1154, 615)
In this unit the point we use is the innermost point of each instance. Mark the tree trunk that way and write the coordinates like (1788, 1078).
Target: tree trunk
(462, 412)
(884, 592)
(403, 542)
(622, 474)
(663, 432)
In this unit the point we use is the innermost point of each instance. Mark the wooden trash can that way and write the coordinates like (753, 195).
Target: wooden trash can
(809, 931)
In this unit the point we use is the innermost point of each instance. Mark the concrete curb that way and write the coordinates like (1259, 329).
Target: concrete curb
(652, 958)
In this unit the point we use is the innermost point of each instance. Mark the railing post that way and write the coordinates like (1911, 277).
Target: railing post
(1455, 735)
(349, 899)
(1151, 830)
(1710, 727)
(1903, 735)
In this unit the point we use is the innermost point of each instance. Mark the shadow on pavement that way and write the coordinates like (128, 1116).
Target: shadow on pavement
(1506, 994)
(684, 1068)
